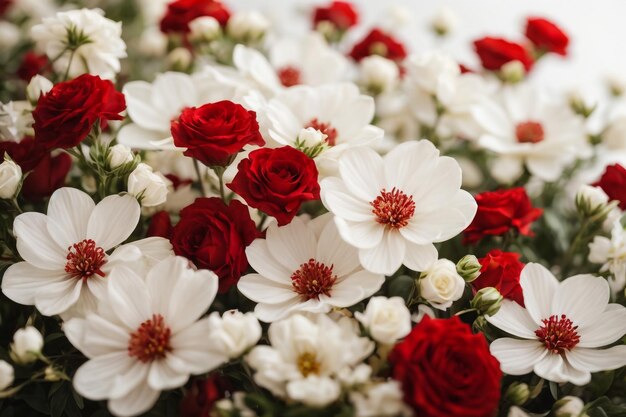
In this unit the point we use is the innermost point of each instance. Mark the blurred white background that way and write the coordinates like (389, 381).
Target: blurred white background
(597, 32)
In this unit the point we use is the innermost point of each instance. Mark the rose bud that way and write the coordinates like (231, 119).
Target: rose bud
(487, 301)
(441, 285)
(10, 177)
(468, 268)
(517, 393)
(386, 319)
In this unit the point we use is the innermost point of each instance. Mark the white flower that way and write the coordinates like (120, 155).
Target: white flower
(561, 328)
(119, 155)
(37, 86)
(444, 21)
(441, 284)
(10, 177)
(432, 71)
(152, 42)
(204, 28)
(27, 344)
(147, 337)
(304, 347)
(305, 267)
(379, 400)
(339, 111)
(9, 35)
(394, 208)
(15, 121)
(526, 130)
(595, 197)
(84, 40)
(386, 319)
(569, 406)
(378, 73)
(611, 253)
(149, 187)
(247, 26)
(65, 251)
(234, 332)
(7, 374)
(179, 58)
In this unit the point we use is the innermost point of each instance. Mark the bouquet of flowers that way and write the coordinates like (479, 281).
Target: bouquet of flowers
(204, 215)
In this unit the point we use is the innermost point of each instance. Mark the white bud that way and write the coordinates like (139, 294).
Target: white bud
(247, 26)
(120, 155)
(204, 28)
(445, 21)
(152, 42)
(593, 197)
(9, 35)
(179, 58)
(616, 84)
(10, 177)
(387, 319)
(310, 137)
(513, 71)
(378, 73)
(441, 284)
(6, 375)
(37, 86)
(233, 333)
(569, 406)
(149, 187)
(27, 344)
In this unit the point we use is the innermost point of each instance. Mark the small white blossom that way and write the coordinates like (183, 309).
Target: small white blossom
(386, 319)
(378, 73)
(445, 21)
(204, 28)
(119, 155)
(10, 177)
(233, 333)
(148, 186)
(27, 344)
(441, 284)
(247, 26)
(37, 86)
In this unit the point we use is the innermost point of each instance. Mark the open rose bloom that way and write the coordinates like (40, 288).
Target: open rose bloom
(307, 210)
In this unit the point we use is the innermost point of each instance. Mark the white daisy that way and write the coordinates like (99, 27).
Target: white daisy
(97, 41)
(147, 337)
(611, 253)
(526, 130)
(561, 328)
(306, 355)
(394, 208)
(65, 252)
(305, 267)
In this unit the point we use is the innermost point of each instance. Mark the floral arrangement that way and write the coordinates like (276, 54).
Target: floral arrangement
(203, 216)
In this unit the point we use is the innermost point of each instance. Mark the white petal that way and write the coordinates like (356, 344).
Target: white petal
(402, 172)
(113, 220)
(129, 297)
(332, 250)
(361, 170)
(138, 401)
(517, 357)
(551, 367)
(98, 286)
(69, 210)
(101, 337)
(35, 244)
(135, 375)
(273, 312)
(22, 281)
(515, 320)
(136, 137)
(355, 288)
(539, 286)
(191, 351)
(363, 235)
(154, 248)
(596, 360)
(582, 298)
(94, 379)
(293, 244)
(262, 261)
(162, 376)
(55, 298)
(263, 290)
(342, 203)
(606, 329)
(419, 257)
(387, 257)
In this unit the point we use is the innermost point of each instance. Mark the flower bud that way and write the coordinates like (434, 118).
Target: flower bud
(27, 345)
(53, 375)
(37, 86)
(153, 42)
(517, 393)
(592, 202)
(569, 407)
(579, 105)
(10, 177)
(387, 319)
(179, 59)
(149, 187)
(204, 29)
(512, 72)
(468, 268)
(379, 74)
(444, 21)
(487, 301)
(441, 285)
(120, 155)
(616, 85)
(247, 26)
(234, 332)
(6, 375)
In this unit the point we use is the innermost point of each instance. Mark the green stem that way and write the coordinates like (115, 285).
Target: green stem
(219, 171)
(196, 165)
(69, 65)
(574, 247)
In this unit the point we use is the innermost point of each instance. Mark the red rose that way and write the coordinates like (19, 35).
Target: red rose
(201, 397)
(495, 52)
(181, 12)
(342, 14)
(47, 177)
(160, 225)
(277, 181)
(31, 65)
(546, 36)
(26, 153)
(446, 370)
(500, 211)
(4, 5)
(214, 236)
(501, 270)
(65, 115)
(214, 133)
(380, 43)
(613, 183)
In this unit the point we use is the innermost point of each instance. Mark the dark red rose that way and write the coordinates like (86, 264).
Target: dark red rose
(4, 6)
(380, 43)
(500, 211)
(501, 270)
(546, 36)
(160, 225)
(495, 52)
(277, 181)
(214, 236)
(201, 397)
(65, 115)
(31, 65)
(446, 370)
(26, 153)
(47, 177)
(214, 133)
(181, 12)
(342, 14)
(613, 183)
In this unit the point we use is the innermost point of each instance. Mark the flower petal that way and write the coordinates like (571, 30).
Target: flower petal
(191, 350)
(362, 235)
(361, 170)
(596, 360)
(571, 292)
(342, 203)
(34, 243)
(293, 244)
(55, 298)
(515, 320)
(263, 290)
(332, 250)
(113, 220)
(94, 379)
(419, 257)
(161, 376)
(69, 210)
(22, 281)
(552, 368)
(539, 286)
(129, 297)
(262, 261)
(136, 402)
(387, 257)
(606, 329)
(517, 357)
